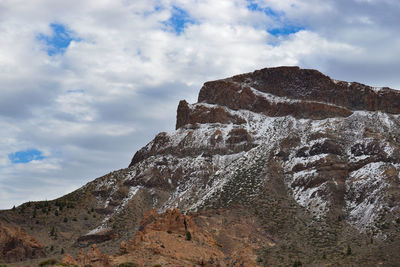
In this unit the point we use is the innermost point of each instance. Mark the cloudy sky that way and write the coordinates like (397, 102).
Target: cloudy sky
(84, 84)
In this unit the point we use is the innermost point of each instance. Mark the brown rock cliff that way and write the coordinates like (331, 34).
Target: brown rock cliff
(302, 93)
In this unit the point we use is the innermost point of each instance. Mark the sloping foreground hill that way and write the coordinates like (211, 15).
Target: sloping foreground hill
(315, 160)
(211, 238)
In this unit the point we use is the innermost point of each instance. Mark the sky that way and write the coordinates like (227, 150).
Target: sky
(85, 84)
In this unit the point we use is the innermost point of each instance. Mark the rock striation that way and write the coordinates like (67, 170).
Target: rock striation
(306, 85)
(284, 91)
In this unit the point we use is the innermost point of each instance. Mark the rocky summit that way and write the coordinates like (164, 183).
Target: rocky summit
(303, 168)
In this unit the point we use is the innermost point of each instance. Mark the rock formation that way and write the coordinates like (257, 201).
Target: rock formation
(94, 257)
(214, 238)
(16, 245)
(313, 161)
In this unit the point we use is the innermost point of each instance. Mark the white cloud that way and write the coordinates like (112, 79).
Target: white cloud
(88, 110)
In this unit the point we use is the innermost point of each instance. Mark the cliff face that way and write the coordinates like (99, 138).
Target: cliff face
(287, 91)
(305, 85)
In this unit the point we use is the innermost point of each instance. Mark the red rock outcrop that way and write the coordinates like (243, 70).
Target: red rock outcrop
(16, 245)
(216, 239)
(69, 260)
(94, 257)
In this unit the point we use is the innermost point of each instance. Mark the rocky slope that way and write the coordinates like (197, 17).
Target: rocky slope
(336, 144)
(16, 245)
(208, 238)
(314, 159)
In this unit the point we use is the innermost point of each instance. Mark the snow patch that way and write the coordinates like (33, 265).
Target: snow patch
(366, 187)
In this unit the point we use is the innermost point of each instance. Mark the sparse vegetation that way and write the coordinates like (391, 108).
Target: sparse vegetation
(65, 219)
(188, 236)
(53, 231)
(22, 209)
(348, 251)
(128, 264)
(60, 204)
(48, 262)
(297, 263)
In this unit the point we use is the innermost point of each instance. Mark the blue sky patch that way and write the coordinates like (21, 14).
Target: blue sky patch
(279, 17)
(286, 30)
(253, 6)
(59, 40)
(178, 20)
(25, 156)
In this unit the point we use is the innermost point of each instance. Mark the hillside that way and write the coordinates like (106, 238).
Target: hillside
(314, 161)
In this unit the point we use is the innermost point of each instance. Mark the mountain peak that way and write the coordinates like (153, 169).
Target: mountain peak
(302, 93)
(284, 91)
